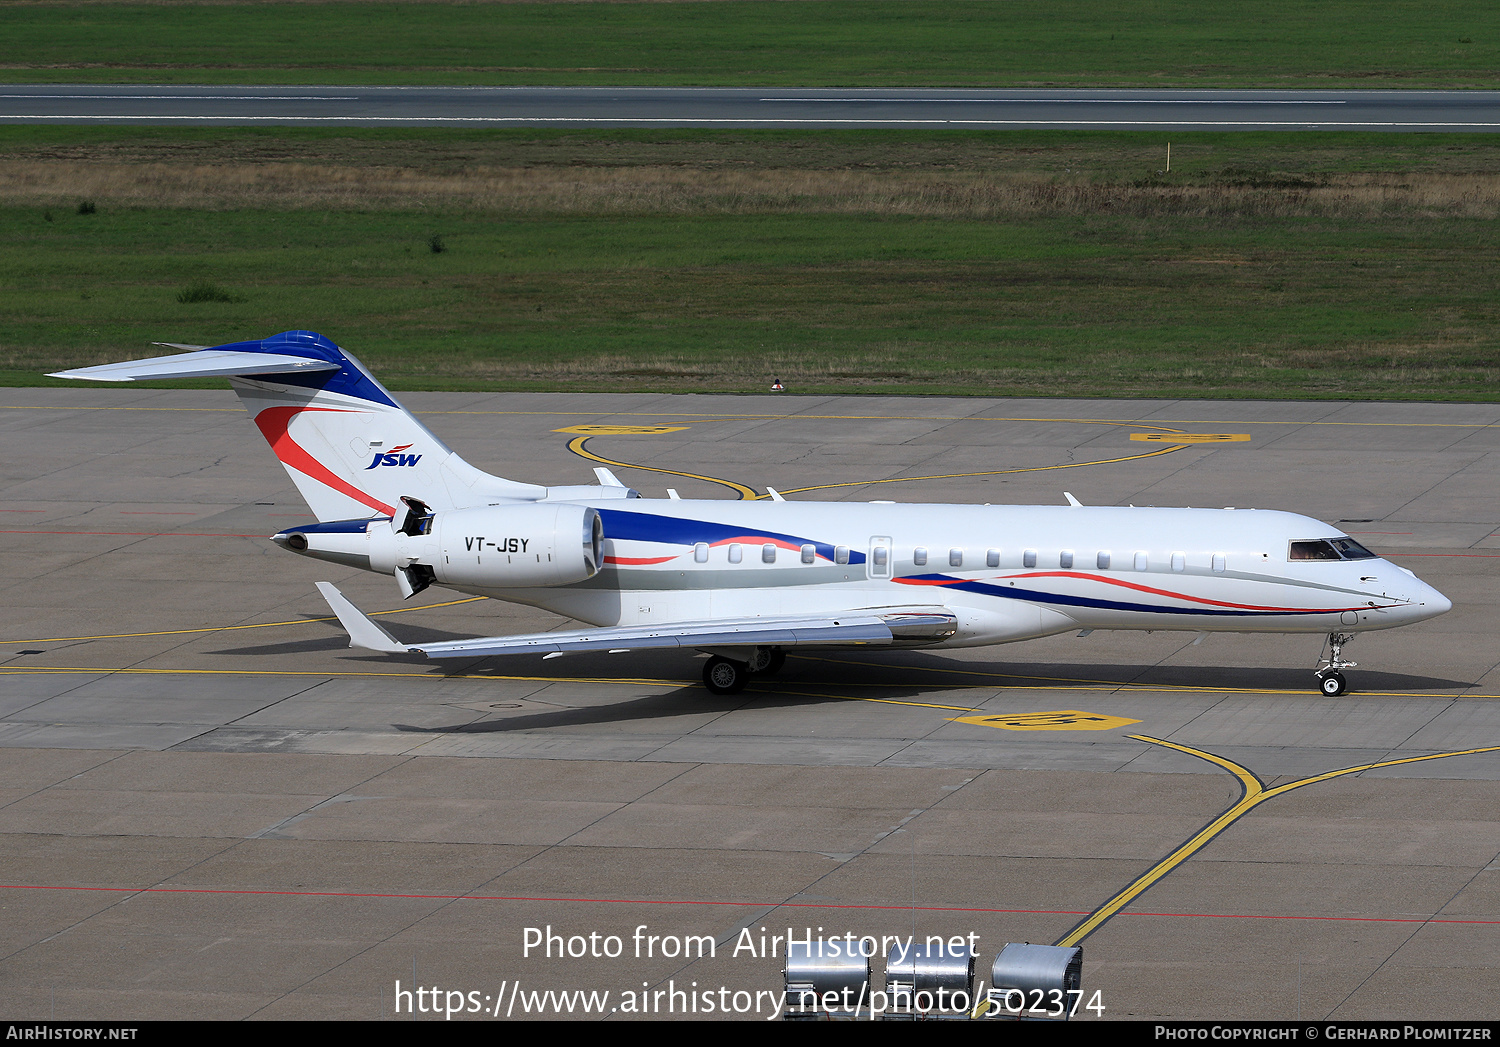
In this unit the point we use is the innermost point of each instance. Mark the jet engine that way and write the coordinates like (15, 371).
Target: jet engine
(506, 546)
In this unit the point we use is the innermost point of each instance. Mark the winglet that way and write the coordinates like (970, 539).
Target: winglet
(1074, 502)
(362, 632)
(607, 478)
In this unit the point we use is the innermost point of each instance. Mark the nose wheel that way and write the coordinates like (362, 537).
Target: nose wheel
(1329, 672)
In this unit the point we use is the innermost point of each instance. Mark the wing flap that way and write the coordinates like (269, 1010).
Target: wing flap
(904, 626)
(853, 630)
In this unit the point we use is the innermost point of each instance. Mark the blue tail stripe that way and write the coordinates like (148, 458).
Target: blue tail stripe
(350, 379)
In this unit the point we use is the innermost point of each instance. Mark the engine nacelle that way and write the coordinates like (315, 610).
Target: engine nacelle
(514, 545)
(519, 546)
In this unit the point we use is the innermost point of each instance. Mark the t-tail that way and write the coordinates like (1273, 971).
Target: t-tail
(350, 448)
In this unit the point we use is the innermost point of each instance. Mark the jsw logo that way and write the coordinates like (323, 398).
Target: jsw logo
(394, 457)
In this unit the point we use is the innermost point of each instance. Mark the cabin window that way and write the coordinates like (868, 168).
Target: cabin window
(881, 556)
(1218, 563)
(1065, 559)
(841, 554)
(1142, 562)
(809, 553)
(992, 558)
(1028, 558)
(1179, 562)
(919, 556)
(1102, 560)
(736, 552)
(955, 557)
(768, 553)
(700, 553)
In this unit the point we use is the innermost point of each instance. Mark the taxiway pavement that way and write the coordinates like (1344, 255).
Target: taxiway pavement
(211, 807)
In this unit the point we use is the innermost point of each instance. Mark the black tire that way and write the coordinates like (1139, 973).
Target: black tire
(721, 676)
(1333, 684)
(767, 662)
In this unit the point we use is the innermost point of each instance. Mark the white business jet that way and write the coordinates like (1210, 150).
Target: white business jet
(746, 580)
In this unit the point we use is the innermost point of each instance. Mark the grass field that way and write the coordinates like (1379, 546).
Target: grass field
(1334, 265)
(1361, 43)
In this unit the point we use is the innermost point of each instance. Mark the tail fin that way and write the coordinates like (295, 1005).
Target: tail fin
(350, 448)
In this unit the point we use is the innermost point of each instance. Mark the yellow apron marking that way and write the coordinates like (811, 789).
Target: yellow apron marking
(1254, 793)
(620, 430)
(1190, 438)
(1060, 720)
(577, 446)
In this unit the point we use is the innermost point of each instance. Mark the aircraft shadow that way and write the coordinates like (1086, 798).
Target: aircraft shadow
(1086, 674)
(894, 682)
(686, 700)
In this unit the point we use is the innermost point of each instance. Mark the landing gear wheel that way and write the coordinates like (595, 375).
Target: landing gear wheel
(1330, 679)
(767, 661)
(721, 676)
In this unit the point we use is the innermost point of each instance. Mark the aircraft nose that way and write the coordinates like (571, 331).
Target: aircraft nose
(1436, 603)
(1427, 602)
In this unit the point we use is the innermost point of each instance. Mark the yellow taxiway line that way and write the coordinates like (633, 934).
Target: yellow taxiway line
(578, 446)
(1253, 793)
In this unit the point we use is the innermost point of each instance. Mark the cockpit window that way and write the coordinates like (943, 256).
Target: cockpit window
(1351, 550)
(1329, 549)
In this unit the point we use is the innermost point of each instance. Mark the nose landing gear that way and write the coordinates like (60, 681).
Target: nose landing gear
(1330, 677)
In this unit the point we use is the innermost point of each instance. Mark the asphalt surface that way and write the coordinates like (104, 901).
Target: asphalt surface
(211, 807)
(755, 107)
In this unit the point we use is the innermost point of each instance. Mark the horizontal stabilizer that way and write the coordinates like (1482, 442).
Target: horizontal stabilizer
(212, 363)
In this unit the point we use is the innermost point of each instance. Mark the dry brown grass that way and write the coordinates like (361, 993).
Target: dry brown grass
(673, 190)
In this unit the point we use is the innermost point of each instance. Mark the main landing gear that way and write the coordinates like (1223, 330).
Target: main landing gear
(1330, 679)
(726, 676)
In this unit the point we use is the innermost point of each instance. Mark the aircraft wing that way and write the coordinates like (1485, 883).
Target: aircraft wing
(880, 626)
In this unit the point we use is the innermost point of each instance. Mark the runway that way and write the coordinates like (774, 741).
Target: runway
(753, 107)
(211, 807)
